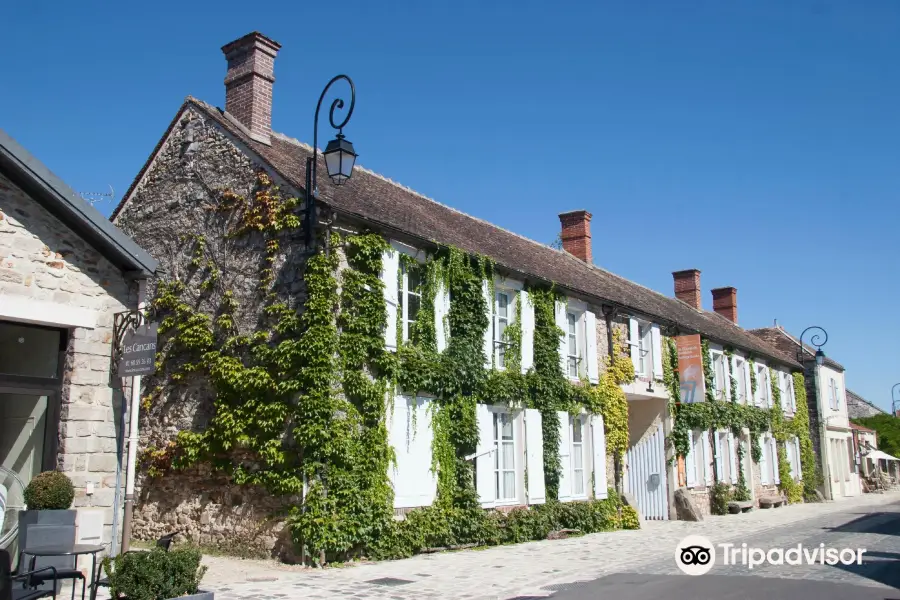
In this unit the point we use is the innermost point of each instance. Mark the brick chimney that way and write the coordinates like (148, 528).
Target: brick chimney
(687, 287)
(248, 82)
(576, 234)
(725, 302)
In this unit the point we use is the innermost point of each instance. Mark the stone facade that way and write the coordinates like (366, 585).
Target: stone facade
(860, 408)
(42, 260)
(177, 200)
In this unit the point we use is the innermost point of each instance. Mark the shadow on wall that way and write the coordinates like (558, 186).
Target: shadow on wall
(214, 514)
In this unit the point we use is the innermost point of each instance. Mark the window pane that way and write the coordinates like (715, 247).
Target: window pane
(579, 483)
(576, 430)
(571, 319)
(509, 455)
(507, 427)
(501, 329)
(496, 429)
(573, 368)
(509, 485)
(578, 457)
(414, 303)
(501, 356)
(573, 346)
(29, 351)
(502, 305)
(497, 484)
(413, 280)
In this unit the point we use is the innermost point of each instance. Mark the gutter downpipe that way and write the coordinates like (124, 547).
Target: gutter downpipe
(133, 413)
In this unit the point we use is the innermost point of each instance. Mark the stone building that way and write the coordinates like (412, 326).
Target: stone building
(212, 175)
(860, 408)
(64, 272)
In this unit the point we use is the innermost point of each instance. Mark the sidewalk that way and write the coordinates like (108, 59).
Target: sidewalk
(504, 571)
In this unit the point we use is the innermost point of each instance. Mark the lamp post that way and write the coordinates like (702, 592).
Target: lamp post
(339, 154)
(895, 400)
(814, 340)
(820, 360)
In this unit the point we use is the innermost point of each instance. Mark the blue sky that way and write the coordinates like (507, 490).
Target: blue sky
(754, 140)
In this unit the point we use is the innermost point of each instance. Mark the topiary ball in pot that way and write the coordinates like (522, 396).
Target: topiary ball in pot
(50, 490)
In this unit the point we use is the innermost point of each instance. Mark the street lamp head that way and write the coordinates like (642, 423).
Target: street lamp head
(820, 357)
(339, 159)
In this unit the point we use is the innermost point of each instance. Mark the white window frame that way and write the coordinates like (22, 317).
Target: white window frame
(720, 387)
(789, 401)
(500, 466)
(501, 344)
(837, 394)
(832, 393)
(645, 348)
(763, 386)
(723, 438)
(579, 335)
(579, 449)
(698, 450)
(743, 386)
(405, 294)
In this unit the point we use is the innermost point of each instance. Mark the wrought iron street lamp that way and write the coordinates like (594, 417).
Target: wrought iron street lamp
(339, 154)
(814, 341)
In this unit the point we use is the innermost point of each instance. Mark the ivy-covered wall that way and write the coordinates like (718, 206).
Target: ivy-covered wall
(273, 380)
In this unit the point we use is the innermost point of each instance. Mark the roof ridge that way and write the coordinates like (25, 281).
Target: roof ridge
(405, 188)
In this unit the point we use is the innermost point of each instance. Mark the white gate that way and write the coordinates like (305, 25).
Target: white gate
(646, 476)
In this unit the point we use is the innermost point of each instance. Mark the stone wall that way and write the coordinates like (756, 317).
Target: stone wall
(43, 260)
(182, 196)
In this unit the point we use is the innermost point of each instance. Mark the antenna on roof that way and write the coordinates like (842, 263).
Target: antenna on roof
(93, 198)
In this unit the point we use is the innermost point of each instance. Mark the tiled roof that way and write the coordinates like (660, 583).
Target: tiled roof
(854, 398)
(788, 344)
(380, 201)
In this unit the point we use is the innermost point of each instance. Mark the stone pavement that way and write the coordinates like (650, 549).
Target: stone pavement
(534, 568)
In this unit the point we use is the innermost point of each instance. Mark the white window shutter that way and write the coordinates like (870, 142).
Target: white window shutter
(732, 465)
(527, 312)
(747, 378)
(656, 341)
(489, 332)
(690, 461)
(774, 451)
(441, 308)
(410, 475)
(562, 323)
(634, 332)
(565, 476)
(534, 448)
(598, 445)
(484, 464)
(797, 458)
(764, 472)
(720, 457)
(390, 266)
(590, 326)
(707, 457)
(789, 454)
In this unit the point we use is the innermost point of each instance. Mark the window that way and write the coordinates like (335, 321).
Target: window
(719, 374)
(743, 388)
(504, 456)
(763, 387)
(723, 461)
(645, 350)
(789, 402)
(410, 300)
(837, 395)
(501, 322)
(834, 399)
(578, 484)
(573, 346)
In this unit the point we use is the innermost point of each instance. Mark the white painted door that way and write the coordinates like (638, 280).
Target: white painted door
(646, 476)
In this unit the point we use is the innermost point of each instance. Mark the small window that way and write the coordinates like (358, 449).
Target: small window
(577, 456)
(645, 349)
(504, 456)
(719, 374)
(501, 322)
(410, 301)
(742, 388)
(573, 346)
(763, 386)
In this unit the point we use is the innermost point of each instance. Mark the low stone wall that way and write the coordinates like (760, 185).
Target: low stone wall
(210, 511)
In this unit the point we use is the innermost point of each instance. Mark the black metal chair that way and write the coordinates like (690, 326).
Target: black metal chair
(7, 581)
(164, 542)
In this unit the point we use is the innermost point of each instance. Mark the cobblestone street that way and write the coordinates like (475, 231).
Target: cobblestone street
(539, 568)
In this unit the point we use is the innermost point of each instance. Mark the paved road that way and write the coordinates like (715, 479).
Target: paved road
(606, 560)
(878, 532)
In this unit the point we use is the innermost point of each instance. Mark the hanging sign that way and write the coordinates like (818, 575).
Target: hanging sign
(138, 352)
(690, 368)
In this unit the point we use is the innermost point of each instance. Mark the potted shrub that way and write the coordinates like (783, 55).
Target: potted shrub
(48, 500)
(156, 575)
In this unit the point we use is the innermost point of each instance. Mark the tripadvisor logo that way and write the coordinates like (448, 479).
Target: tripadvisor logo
(696, 555)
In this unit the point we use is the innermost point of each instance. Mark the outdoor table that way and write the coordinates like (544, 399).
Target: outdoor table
(68, 550)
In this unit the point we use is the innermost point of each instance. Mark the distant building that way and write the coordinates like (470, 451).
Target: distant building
(859, 408)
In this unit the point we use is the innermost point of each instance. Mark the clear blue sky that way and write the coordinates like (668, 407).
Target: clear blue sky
(754, 140)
